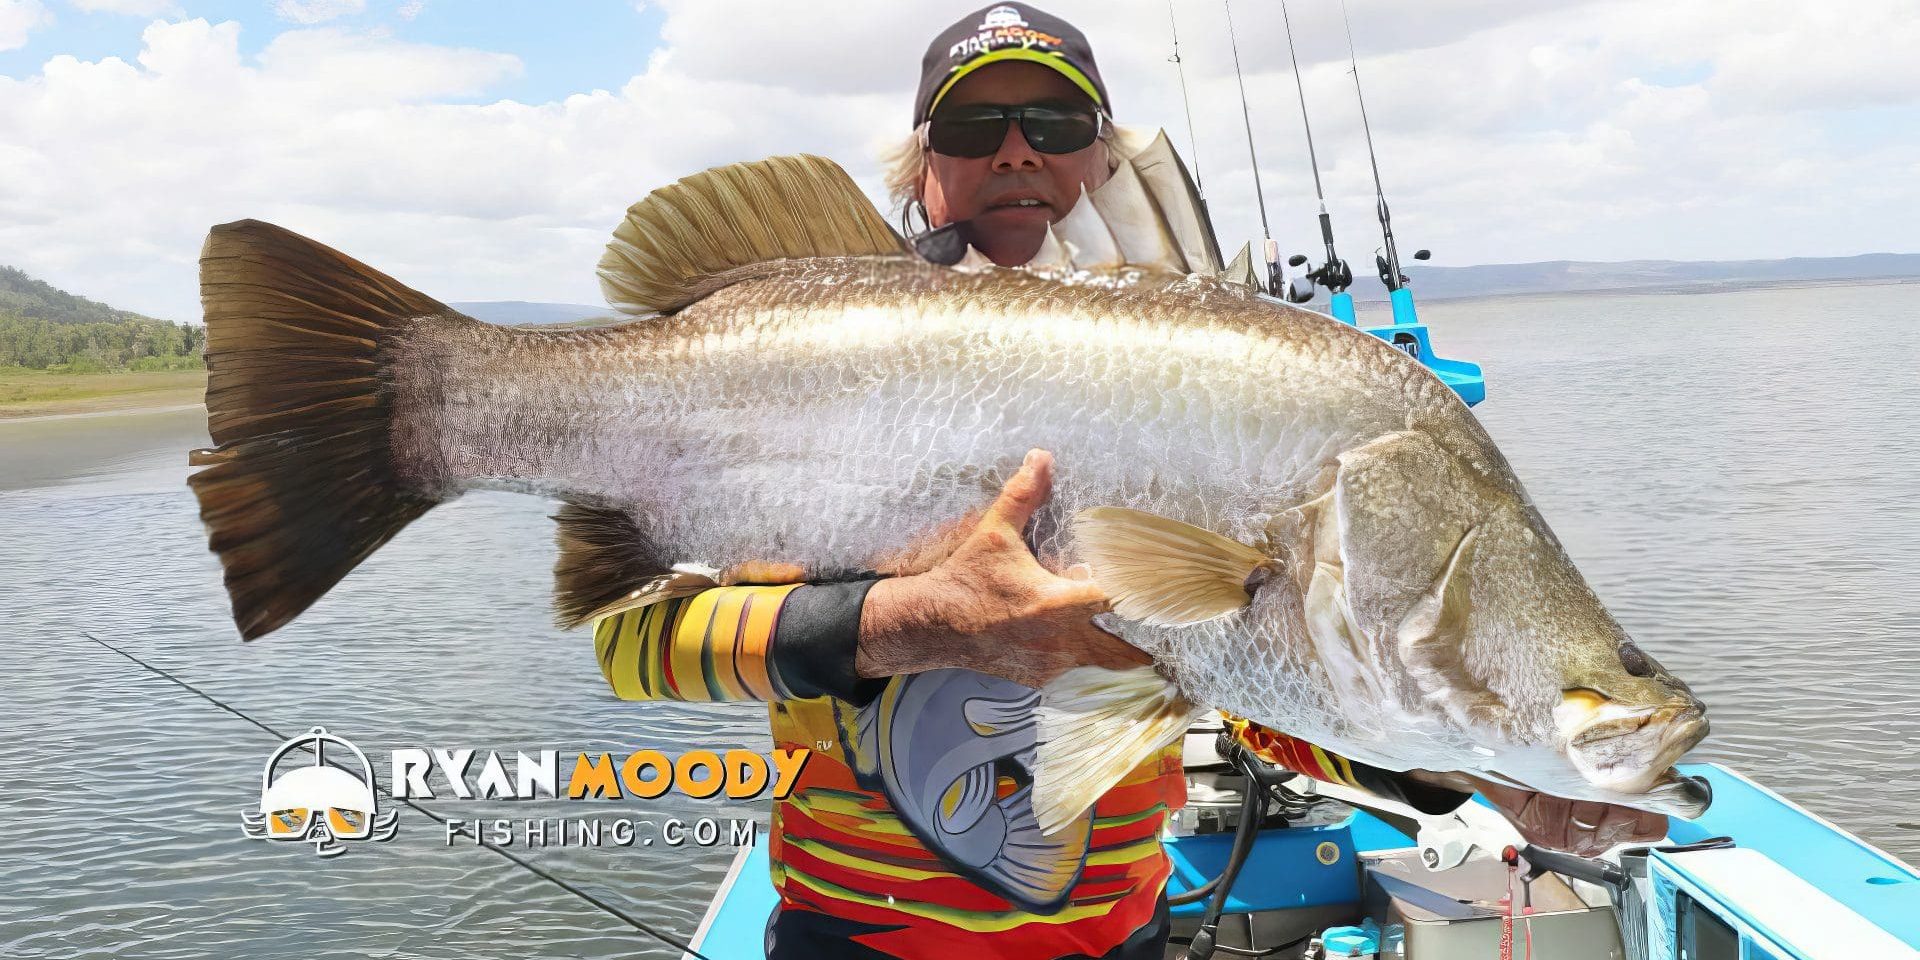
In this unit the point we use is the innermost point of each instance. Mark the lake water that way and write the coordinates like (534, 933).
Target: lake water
(1735, 473)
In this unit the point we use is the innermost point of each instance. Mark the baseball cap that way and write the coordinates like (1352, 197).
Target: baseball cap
(1006, 31)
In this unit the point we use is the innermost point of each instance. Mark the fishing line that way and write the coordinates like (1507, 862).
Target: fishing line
(1392, 274)
(1259, 195)
(1333, 273)
(1193, 143)
(537, 871)
(1313, 159)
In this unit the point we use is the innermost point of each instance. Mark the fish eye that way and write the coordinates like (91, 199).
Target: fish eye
(1635, 661)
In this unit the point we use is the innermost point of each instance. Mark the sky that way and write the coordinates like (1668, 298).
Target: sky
(485, 150)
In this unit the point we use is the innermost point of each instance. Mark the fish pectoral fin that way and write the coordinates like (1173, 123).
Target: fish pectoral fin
(605, 567)
(1167, 573)
(1096, 726)
(675, 246)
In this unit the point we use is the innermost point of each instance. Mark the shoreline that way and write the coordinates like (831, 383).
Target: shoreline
(40, 395)
(9, 416)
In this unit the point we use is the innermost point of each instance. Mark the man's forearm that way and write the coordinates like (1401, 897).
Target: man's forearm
(738, 643)
(897, 630)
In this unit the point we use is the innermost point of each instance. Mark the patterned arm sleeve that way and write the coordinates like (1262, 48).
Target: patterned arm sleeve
(787, 642)
(1303, 757)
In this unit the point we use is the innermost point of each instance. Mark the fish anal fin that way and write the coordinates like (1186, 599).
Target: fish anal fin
(1096, 726)
(672, 245)
(605, 567)
(1167, 573)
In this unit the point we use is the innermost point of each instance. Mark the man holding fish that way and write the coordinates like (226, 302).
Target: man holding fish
(1287, 519)
(1012, 121)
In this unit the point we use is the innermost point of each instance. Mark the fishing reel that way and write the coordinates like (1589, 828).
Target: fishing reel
(1386, 270)
(1335, 275)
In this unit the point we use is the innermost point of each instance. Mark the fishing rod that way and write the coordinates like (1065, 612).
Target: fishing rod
(1260, 197)
(1193, 142)
(632, 921)
(1389, 265)
(1333, 273)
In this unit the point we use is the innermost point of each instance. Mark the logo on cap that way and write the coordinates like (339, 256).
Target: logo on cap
(1002, 17)
(318, 803)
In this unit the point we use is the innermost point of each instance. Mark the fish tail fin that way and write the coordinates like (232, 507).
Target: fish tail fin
(300, 485)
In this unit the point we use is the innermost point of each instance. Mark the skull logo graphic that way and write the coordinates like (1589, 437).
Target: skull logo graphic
(318, 803)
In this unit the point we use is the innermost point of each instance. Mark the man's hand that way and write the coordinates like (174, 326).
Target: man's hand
(1584, 828)
(990, 606)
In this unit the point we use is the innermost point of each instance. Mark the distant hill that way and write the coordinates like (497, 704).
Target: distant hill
(522, 311)
(25, 296)
(1568, 276)
(42, 326)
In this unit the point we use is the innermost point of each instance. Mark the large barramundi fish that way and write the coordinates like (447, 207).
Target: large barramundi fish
(1300, 523)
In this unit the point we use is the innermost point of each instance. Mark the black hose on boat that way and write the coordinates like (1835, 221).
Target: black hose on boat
(1253, 803)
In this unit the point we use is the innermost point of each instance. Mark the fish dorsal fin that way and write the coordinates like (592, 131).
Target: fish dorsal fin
(1240, 271)
(1166, 179)
(1052, 257)
(973, 261)
(1148, 215)
(1135, 220)
(1090, 245)
(667, 251)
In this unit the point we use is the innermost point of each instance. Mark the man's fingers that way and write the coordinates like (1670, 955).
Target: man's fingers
(1023, 494)
(1079, 571)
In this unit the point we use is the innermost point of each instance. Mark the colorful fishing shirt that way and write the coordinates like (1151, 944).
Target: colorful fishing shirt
(845, 861)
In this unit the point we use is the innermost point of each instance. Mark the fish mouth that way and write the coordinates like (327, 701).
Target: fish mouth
(1631, 750)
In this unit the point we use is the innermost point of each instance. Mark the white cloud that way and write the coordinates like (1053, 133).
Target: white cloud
(1508, 130)
(19, 18)
(410, 9)
(132, 8)
(316, 11)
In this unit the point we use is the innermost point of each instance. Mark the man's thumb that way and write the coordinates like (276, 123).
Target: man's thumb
(1025, 492)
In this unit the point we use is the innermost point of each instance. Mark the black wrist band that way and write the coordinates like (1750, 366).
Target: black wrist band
(816, 642)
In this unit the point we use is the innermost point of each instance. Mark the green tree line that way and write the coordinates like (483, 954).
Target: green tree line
(42, 326)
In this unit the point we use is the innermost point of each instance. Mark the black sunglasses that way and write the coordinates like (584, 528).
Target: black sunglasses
(977, 130)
